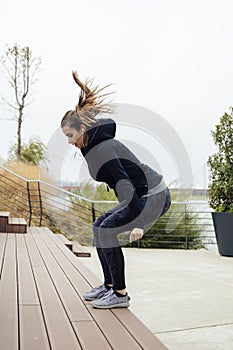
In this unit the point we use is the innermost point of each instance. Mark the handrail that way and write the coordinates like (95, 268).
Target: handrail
(16, 175)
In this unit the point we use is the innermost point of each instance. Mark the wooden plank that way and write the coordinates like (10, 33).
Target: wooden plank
(35, 257)
(70, 299)
(33, 335)
(17, 221)
(4, 217)
(3, 223)
(27, 287)
(4, 214)
(86, 273)
(63, 239)
(90, 336)
(3, 237)
(8, 298)
(13, 221)
(76, 268)
(79, 250)
(142, 334)
(82, 254)
(22, 228)
(32, 328)
(87, 335)
(9, 228)
(117, 335)
(16, 228)
(22, 221)
(60, 331)
(22, 225)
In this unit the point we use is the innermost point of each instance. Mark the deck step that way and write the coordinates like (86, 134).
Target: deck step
(109, 329)
(74, 246)
(65, 240)
(80, 250)
(4, 216)
(12, 225)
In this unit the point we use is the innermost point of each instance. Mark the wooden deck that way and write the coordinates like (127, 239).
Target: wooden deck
(41, 304)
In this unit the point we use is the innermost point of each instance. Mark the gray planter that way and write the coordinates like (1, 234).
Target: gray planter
(223, 225)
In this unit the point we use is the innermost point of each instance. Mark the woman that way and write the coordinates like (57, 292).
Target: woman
(142, 193)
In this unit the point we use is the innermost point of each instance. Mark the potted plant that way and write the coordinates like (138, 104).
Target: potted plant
(220, 189)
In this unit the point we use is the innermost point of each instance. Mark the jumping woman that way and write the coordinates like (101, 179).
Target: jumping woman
(141, 191)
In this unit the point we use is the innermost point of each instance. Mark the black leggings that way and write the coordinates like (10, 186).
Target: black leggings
(117, 220)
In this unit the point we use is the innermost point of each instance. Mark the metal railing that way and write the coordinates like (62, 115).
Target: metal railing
(189, 224)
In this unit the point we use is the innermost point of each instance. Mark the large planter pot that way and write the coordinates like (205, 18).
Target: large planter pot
(223, 225)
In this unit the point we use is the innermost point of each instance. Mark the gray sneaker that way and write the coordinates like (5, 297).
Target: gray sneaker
(110, 300)
(96, 292)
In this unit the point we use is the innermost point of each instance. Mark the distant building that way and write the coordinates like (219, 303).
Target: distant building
(69, 187)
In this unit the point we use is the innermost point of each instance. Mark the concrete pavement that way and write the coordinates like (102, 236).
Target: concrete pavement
(184, 297)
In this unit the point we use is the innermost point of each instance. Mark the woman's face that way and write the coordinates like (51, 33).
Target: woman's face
(75, 137)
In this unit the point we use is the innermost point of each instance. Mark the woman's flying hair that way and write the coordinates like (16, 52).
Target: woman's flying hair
(91, 102)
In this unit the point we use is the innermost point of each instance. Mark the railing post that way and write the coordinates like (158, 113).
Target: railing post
(29, 203)
(186, 230)
(40, 201)
(186, 241)
(93, 211)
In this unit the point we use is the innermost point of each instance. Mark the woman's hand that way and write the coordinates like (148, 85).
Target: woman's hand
(136, 234)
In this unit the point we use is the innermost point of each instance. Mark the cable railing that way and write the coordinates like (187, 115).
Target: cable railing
(186, 225)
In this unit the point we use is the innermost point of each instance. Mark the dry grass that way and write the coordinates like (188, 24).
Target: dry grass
(28, 171)
(13, 189)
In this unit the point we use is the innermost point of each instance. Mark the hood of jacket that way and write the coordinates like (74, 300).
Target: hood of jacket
(102, 130)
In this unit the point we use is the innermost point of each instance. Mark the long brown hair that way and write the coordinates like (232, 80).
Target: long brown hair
(91, 102)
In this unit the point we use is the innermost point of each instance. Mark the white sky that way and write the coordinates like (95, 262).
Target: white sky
(174, 57)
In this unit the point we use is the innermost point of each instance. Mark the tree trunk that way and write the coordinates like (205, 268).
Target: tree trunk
(20, 120)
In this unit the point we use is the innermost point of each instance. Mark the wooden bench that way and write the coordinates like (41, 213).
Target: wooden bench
(41, 303)
(12, 225)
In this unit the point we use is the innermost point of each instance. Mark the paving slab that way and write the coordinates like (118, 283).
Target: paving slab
(206, 338)
(184, 296)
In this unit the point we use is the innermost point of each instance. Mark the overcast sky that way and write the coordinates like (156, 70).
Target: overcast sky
(174, 57)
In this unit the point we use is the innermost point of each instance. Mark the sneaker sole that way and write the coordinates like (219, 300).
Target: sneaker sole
(89, 299)
(111, 306)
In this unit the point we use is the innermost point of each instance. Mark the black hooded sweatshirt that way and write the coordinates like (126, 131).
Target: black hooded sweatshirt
(112, 162)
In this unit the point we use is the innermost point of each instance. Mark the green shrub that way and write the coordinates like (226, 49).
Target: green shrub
(221, 166)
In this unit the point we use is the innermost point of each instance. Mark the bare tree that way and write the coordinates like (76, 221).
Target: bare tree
(20, 69)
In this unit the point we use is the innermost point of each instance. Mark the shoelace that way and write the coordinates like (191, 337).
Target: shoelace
(108, 294)
(97, 288)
